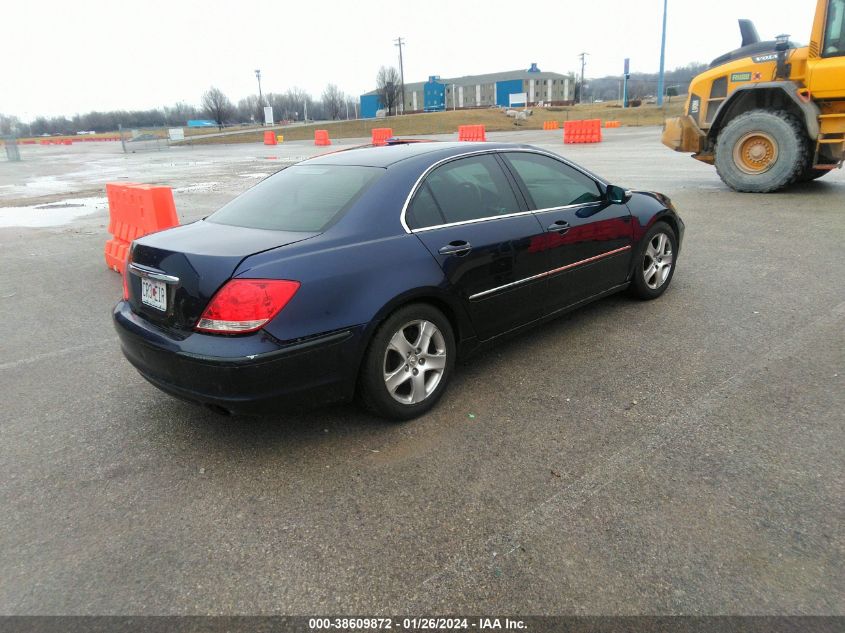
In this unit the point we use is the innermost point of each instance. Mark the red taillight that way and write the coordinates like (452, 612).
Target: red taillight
(245, 305)
(126, 280)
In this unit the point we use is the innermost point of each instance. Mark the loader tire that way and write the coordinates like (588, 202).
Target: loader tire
(761, 151)
(811, 174)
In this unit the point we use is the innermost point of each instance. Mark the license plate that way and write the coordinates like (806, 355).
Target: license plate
(154, 294)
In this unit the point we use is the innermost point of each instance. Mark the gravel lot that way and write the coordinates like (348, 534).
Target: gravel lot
(683, 456)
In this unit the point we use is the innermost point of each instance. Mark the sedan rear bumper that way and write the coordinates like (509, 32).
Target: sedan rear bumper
(320, 370)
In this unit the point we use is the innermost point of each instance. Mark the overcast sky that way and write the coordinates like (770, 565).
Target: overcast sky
(64, 57)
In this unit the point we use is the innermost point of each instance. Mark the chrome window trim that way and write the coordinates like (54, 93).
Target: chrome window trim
(496, 150)
(549, 273)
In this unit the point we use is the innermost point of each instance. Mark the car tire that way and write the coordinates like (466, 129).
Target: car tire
(652, 272)
(761, 151)
(408, 363)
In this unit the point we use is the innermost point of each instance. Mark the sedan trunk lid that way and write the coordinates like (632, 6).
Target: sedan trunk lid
(174, 273)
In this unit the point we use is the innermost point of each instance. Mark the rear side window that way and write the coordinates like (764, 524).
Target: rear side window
(551, 183)
(299, 198)
(465, 189)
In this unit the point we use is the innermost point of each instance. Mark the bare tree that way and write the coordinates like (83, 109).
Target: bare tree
(250, 109)
(351, 107)
(333, 101)
(9, 124)
(387, 85)
(217, 106)
(177, 114)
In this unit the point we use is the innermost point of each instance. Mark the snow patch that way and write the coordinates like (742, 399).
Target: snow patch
(51, 214)
(200, 186)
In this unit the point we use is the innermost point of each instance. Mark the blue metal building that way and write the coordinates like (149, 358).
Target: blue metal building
(370, 103)
(479, 91)
(434, 95)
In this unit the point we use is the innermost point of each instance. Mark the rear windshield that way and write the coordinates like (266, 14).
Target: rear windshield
(299, 198)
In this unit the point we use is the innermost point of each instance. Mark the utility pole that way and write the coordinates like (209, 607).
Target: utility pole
(260, 96)
(400, 43)
(662, 59)
(583, 57)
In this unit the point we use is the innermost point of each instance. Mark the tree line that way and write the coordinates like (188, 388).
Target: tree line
(214, 105)
(643, 85)
(293, 105)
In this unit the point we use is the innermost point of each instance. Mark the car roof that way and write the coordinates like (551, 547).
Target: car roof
(388, 155)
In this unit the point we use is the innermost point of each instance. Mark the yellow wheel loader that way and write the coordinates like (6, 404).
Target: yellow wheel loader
(772, 113)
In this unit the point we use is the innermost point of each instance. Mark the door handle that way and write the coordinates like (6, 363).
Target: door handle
(561, 226)
(457, 247)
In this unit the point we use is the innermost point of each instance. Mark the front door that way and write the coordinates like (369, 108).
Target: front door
(469, 217)
(587, 240)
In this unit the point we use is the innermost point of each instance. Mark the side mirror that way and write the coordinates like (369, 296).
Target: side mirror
(617, 195)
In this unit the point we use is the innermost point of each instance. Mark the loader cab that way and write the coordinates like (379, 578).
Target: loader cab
(826, 59)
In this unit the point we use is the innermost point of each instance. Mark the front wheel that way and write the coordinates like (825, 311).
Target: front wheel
(655, 262)
(761, 151)
(408, 364)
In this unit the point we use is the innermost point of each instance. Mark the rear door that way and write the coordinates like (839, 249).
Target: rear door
(473, 221)
(587, 240)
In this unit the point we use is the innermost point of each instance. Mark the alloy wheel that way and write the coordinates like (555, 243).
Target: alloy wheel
(657, 262)
(414, 361)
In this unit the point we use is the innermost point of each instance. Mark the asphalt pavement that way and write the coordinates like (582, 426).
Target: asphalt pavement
(680, 456)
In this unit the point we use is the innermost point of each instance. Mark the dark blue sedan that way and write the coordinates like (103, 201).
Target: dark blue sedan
(368, 272)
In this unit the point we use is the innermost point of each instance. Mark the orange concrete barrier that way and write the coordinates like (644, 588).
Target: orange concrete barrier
(321, 137)
(135, 210)
(550, 125)
(472, 133)
(586, 131)
(381, 134)
(611, 124)
(269, 138)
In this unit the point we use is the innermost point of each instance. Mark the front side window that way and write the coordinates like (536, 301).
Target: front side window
(551, 183)
(834, 37)
(465, 189)
(299, 198)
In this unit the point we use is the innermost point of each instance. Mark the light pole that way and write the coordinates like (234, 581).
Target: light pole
(662, 59)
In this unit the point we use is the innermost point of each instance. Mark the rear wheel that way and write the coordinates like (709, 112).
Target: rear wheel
(408, 364)
(761, 151)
